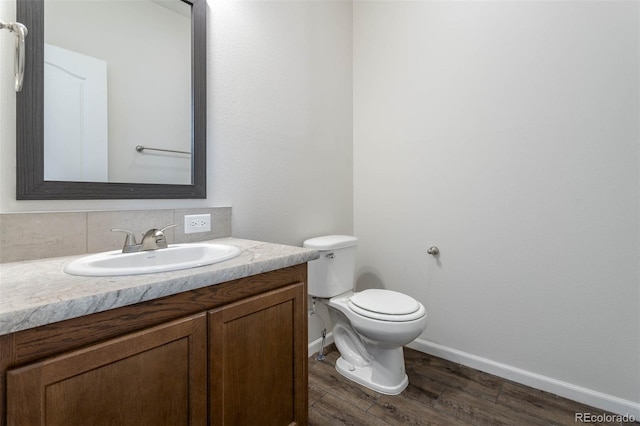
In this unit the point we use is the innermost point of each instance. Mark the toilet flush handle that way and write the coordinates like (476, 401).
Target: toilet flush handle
(331, 255)
(433, 250)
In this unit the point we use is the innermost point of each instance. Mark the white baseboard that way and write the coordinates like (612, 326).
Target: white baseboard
(590, 397)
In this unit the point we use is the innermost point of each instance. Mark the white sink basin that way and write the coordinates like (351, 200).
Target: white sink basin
(173, 258)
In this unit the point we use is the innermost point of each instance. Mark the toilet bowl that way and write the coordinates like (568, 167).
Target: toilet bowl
(374, 356)
(369, 327)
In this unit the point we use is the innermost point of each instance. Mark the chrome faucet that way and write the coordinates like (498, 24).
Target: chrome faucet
(153, 239)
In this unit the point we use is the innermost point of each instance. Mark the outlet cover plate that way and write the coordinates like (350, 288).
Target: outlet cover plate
(197, 223)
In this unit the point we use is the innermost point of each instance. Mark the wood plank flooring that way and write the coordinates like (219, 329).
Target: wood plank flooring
(439, 393)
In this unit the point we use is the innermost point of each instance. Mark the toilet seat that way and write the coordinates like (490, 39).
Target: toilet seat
(386, 305)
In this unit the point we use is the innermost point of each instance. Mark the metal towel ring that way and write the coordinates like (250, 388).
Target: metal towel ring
(20, 32)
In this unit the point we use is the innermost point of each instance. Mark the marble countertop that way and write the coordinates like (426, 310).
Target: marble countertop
(38, 292)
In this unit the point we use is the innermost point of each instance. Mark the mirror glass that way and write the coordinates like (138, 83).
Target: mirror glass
(117, 75)
(114, 100)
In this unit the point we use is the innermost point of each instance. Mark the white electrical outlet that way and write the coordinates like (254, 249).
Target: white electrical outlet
(197, 223)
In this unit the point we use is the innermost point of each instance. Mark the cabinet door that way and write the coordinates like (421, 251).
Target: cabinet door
(152, 377)
(257, 360)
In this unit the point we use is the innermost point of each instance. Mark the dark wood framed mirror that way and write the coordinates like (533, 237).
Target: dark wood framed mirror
(30, 129)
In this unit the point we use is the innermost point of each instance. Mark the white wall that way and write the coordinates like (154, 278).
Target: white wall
(280, 110)
(279, 121)
(506, 133)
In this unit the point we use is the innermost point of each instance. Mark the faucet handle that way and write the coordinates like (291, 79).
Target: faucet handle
(155, 239)
(166, 227)
(130, 239)
(160, 238)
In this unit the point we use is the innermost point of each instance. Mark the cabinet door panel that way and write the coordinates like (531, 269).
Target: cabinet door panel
(257, 360)
(152, 377)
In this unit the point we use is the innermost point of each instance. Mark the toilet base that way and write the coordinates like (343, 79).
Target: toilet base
(363, 376)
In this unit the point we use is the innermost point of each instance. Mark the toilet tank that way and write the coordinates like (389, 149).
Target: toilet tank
(333, 273)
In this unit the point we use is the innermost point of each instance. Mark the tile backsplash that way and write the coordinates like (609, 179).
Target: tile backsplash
(29, 236)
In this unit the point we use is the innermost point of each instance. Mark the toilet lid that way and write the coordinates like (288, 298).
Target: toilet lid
(386, 305)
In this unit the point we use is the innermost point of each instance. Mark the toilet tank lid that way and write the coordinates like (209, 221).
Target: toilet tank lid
(331, 242)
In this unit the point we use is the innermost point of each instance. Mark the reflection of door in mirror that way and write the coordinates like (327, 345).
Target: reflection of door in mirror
(146, 46)
(75, 112)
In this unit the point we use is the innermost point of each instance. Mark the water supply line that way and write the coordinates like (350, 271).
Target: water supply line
(20, 31)
(320, 356)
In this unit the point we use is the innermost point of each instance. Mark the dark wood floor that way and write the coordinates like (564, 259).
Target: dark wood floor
(439, 393)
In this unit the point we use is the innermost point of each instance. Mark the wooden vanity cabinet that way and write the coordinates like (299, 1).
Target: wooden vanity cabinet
(229, 354)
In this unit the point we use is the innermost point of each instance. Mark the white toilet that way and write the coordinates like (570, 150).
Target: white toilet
(369, 327)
